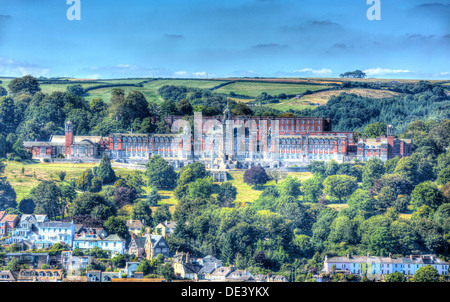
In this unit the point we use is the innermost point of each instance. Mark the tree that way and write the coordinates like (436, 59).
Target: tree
(135, 181)
(440, 134)
(290, 186)
(361, 200)
(442, 214)
(27, 206)
(386, 198)
(381, 242)
(161, 214)
(62, 175)
(153, 198)
(426, 273)
(166, 270)
(135, 106)
(84, 181)
(7, 194)
(7, 115)
(68, 194)
(3, 91)
(373, 169)
(303, 243)
(105, 171)
(227, 194)
(317, 167)
(93, 204)
(3, 147)
(408, 168)
(47, 198)
(76, 89)
(398, 183)
(141, 211)
(144, 267)
(339, 186)
(426, 193)
(255, 176)
(405, 236)
(276, 174)
(202, 188)
(241, 109)
(123, 196)
(342, 230)
(119, 260)
(13, 264)
(374, 130)
(160, 174)
(312, 188)
(395, 277)
(24, 85)
(443, 176)
(116, 225)
(184, 107)
(98, 106)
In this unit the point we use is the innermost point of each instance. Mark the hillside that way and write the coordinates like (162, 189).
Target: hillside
(240, 89)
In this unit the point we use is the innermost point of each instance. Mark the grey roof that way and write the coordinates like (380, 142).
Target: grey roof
(191, 268)
(55, 224)
(84, 238)
(210, 258)
(208, 268)
(154, 239)
(222, 271)
(424, 259)
(97, 274)
(37, 144)
(113, 237)
(135, 224)
(37, 217)
(107, 276)
(140, 241)
(240, 275)
(9, 276)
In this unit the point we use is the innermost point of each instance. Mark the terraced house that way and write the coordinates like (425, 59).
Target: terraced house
(373, 265)
(227, 141)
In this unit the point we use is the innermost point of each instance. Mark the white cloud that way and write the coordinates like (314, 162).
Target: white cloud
(200, 74)
(383, 71)
(93, 76)
(12, 68)
(319, 72)
(180, 73)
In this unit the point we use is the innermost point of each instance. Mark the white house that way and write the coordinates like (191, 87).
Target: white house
(52, 232)
(25, 227)
(112, 243)
(373, 265)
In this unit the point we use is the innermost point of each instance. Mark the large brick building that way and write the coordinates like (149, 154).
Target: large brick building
(228, 141)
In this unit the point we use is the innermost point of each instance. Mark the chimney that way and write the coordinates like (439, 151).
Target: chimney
(348, 256)
(368, 255)
(390, 255)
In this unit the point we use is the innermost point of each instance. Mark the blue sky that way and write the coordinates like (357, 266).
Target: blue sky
(232, 38)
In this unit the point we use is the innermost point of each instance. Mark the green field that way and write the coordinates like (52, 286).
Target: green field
(253, 89)
(36, 172)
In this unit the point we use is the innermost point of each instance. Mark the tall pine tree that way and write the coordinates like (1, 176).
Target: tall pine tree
(104, 170)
